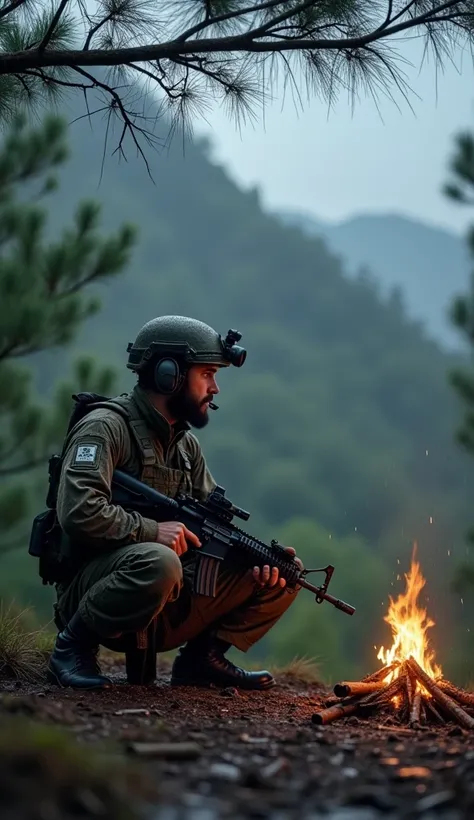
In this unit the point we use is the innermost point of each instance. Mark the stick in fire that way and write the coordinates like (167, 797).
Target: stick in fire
(409, 683)
(419, 690)
(211, 521)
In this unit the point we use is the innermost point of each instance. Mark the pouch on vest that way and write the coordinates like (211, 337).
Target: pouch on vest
(45, 544)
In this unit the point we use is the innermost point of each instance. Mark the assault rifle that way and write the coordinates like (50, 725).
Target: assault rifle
(211, 521)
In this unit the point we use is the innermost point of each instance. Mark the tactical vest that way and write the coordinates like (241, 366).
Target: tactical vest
(154, 472)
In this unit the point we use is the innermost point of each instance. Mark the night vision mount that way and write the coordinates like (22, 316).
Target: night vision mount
(233, 352)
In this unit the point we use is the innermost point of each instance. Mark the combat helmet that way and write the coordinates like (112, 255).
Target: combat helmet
(186, 340)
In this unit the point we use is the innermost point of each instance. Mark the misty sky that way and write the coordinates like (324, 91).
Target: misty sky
(339, 164)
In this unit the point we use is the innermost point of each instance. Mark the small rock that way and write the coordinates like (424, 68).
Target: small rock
(349, 772)
(225, 771)
(376, 798)
(171, 751)
(85, 799)
(275, 768)
(434, 801)
(229, 692)
(350, 813)
(321, 738)
(122, 712)
(430, 751)
(248, 739)
(337, 759)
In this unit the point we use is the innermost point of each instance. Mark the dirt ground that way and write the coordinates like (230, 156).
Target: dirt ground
(245, 755)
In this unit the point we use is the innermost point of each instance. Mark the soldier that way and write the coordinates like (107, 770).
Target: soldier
(129, 585)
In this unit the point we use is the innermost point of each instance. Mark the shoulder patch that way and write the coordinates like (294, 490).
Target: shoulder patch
(86, 455)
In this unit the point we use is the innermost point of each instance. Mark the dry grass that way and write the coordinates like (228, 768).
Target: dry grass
(23, 651)
(299, 670)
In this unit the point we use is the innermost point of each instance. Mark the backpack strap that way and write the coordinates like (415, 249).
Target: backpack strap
(184, 456)
(136, 425)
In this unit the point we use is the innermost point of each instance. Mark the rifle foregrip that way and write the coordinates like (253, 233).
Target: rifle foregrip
(263, 554)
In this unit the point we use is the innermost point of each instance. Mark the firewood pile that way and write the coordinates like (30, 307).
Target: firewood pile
(410, 694)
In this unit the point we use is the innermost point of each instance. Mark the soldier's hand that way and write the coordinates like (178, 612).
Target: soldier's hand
(175, 535)
(292, 551)
(298, 561)
(271, 577)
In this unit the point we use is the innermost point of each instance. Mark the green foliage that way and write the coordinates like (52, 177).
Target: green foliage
(43, 302)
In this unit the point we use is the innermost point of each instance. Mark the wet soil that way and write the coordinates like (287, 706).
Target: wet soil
(227, 754)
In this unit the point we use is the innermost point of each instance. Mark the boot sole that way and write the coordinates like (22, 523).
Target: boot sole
(51, 677)
(206, 684)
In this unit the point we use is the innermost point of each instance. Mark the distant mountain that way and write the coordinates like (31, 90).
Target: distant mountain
(429, 264)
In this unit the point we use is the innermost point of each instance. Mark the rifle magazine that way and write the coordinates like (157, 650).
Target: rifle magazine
(205, 576)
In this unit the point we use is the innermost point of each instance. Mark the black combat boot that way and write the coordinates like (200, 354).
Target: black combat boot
(201, 663)
(73, 661)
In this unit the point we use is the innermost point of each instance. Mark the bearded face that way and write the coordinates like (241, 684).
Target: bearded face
(191, 403)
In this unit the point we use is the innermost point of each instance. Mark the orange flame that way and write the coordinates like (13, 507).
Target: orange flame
(409, 624)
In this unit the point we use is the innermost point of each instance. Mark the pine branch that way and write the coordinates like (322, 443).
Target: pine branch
(43, 301)
(12, 7)
(52, 27)
(222, 18)
(188, 56)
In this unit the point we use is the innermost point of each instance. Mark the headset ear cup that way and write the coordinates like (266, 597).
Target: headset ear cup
(167, 376)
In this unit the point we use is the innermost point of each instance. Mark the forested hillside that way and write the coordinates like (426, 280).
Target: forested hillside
(337, 435)
(429, 264)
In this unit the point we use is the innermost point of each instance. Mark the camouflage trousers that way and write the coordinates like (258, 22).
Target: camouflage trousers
(126, 590)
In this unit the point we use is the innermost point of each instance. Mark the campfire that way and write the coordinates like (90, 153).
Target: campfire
(409, 686)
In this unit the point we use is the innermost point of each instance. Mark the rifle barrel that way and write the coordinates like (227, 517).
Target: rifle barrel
(347, 608)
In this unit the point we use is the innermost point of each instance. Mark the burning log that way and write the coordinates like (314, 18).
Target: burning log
(381, 674)
(454, 709)
(357, 687)
(384, 696)
(341, 709)
(338, 710)
(431, 711)
(415, 711)
(467, 698)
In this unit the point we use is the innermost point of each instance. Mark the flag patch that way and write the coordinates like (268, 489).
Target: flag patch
(85, 454)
